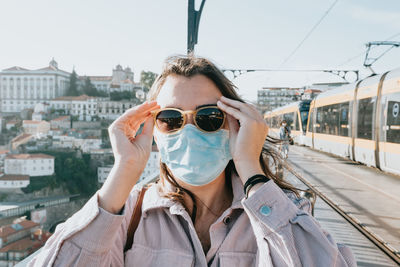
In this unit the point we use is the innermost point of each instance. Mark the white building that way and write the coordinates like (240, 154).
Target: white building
(121, 80)
(83, 106)
(36, 128)
(1, 122)
(63, 122)
(3, 154)
(90, 143)
(21, 88)
(74, 139)
(11, 124)
(269, 98)
(102, 173)
(111, 110)
(29, 164)
(13, 181)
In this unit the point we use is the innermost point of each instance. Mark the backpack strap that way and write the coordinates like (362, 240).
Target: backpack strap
(137, 213)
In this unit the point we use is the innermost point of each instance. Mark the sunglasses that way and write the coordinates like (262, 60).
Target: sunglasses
(207, 119)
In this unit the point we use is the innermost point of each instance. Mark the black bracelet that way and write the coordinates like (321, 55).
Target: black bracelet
(253, 180)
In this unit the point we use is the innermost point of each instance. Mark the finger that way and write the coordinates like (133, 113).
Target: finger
(138, 110)
(234, 103)
(146, 136)
(233, 124)
(134, 119)
(231, 111)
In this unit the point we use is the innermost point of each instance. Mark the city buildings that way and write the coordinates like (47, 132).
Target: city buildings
(20, 140)
(29, 164)
(21, 88)
(20, 239)
(62, 122)
(102, 173)
(121, 80)
(3, 154)
(110, 110)
(36, 128)
(83, 107)
(8, 181)
(77, 139)
(269, 98)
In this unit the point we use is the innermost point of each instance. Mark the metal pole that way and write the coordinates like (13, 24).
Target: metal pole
(193, 24)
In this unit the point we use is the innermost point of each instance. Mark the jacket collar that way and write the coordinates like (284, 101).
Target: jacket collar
(153, 198)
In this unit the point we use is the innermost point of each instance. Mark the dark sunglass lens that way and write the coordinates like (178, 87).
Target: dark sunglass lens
(169, 120)
(210, 119)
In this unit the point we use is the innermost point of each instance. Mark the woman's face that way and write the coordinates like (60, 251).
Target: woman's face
(188, 93)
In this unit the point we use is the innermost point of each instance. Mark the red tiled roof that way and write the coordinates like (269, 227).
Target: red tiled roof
(73, 98)
(22, 245)
(61, 118)
(31, 122)
(4, 151)
(9, 122)
(15, 68)
(21, 137)
(8, 230)
(10, 177)
(312, 91)
(97, 78)
(29, 156)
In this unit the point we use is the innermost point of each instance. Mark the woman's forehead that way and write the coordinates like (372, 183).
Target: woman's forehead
(188, 93)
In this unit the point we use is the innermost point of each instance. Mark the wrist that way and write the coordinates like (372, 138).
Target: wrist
(248, 169)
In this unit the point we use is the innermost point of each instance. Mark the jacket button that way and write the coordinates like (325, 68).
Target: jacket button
(265, 210)
(227, 220)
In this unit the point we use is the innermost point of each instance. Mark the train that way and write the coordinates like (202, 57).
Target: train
(359, 121)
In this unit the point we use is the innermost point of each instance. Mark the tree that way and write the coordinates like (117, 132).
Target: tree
(147, 79)
(73, 85)
(124, 95)
(88, 88)
(91, 90)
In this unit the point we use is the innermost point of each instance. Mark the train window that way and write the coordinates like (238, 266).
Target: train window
(288, 117)
(344, 119)
(297, 127)
(331, 119)
(365, 117)
(393, 120)
(318, 122)
(310, 123)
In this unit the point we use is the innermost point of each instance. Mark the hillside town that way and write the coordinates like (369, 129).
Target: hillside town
(54, 147)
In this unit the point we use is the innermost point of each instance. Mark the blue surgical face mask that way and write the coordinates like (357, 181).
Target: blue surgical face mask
(195, 157)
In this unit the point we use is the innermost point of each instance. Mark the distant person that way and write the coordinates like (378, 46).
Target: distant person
(284, 135)
(216, 203)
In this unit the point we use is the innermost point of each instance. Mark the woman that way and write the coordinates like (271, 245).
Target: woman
(284, 135)
(198, 214)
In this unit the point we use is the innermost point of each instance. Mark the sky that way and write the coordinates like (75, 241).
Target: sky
(93, 36)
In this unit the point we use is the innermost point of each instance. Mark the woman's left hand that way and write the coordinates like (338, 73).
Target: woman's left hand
(246, 140)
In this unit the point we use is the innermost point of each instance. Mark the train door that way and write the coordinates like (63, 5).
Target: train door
(391, 127)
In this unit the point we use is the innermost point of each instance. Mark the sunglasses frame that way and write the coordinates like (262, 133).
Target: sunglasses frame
(184, 115)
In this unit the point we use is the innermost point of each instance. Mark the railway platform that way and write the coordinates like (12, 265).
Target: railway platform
(368, 196)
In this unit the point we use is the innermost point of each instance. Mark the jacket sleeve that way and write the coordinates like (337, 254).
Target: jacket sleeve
(90, 237)
(286, 233)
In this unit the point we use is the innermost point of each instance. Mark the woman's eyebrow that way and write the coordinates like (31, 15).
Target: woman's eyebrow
(197, 107)
(206, 105)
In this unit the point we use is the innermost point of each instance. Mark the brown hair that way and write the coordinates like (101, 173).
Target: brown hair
(189, 66)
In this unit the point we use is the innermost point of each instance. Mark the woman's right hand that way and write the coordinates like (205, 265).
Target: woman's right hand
(131, 154)
(130, 150)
